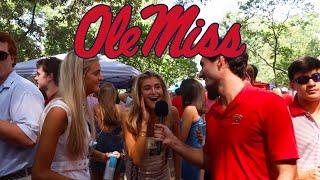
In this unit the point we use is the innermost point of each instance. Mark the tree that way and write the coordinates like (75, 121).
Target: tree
(273, 41)
(46, 27)
(19, 18)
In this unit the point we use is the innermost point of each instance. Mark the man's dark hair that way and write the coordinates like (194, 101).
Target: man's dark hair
(180, 90)
(252, 72)
(303, 65)
(255, 71)
(237, 65)
(50, 65)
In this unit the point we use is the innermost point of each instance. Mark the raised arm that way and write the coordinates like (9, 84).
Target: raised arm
(136, 146)
(194, 155)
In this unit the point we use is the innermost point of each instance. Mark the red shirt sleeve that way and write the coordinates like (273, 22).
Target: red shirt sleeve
(278, 129)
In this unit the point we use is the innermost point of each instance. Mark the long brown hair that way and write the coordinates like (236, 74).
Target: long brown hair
(193, 93)
(108, 112)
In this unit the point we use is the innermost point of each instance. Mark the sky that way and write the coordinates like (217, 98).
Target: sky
(215, 10)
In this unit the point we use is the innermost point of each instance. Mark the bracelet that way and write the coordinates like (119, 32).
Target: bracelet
(143, 134)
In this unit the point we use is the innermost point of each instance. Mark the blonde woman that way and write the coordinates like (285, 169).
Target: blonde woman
(109, 117)
(148, 88)
(67, 123)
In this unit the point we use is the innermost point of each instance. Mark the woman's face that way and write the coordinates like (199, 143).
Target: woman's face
(93, 77)
(151, 91)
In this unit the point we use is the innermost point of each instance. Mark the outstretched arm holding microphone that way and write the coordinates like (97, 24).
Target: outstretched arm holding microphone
(195, 155)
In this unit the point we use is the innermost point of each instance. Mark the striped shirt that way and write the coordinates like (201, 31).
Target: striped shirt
(307, 133)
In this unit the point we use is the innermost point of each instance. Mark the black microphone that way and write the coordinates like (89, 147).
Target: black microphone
(161, 109)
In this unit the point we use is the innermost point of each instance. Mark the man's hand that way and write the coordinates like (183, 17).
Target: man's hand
(193, 155)
(199, 136)
(164, 134)
(310, 174)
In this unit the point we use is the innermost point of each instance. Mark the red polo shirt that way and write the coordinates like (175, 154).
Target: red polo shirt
(177, 102)
(249, 135)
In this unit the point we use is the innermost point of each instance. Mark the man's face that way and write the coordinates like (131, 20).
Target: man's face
(307, 85)
(210, 74)
(5, 63)
(43, 79)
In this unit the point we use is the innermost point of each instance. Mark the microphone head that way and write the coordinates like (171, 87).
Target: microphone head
(161, 108)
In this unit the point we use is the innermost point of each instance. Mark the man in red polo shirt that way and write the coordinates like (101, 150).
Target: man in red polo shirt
(249, 130)
(304, 76)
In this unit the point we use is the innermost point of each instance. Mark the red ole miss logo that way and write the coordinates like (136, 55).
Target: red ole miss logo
(169, 28)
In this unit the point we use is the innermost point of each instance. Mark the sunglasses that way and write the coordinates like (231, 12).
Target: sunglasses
(3, 55)
(305, 79)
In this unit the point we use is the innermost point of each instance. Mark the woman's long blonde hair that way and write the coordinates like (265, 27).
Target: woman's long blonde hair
(135, 112)
(72, 91)
(109, 115)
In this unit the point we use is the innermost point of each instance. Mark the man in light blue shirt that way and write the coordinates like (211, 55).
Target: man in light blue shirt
(21, 104)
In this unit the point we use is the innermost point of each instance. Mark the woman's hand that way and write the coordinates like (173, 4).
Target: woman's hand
(116, 153)
(145, 113)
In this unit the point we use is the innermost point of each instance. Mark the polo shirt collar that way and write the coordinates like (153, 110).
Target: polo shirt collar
(10, 79)
(296, 109)
(221, 109)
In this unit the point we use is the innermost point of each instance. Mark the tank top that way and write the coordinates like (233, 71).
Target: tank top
(62, 164)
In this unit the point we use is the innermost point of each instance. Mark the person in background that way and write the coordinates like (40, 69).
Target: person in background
(304, 76)
(252, 72)
(193, 100)
(109, 117)
(67, 124)
(245, 139)
(21, 104)
(92, 100)
(148, 88)
(127, 96)
(176, 101)
(47, 77)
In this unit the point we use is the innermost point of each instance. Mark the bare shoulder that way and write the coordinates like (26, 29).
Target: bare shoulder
(55, 120)
(190, 110)
(57, 112)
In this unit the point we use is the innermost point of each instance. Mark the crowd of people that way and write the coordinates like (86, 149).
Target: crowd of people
(69, 125)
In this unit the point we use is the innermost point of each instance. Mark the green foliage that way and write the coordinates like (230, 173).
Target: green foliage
(273, 41)
(48, 27)
(16, 18)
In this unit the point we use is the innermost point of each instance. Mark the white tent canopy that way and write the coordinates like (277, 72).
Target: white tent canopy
(113, 71)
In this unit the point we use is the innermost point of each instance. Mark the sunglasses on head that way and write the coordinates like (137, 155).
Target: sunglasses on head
(305, 79)
(3, 55)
